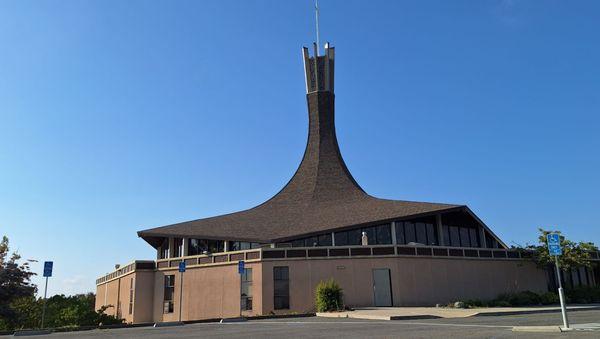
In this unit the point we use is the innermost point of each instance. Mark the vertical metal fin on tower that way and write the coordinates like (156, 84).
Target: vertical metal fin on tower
(318, 70)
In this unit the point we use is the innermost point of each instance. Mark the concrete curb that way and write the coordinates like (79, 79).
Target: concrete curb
(233, 320)
(350, 315)
(537, 329)
(169, 324)
(23, 333)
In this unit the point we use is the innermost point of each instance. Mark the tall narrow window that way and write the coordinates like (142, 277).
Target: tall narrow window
(454, 236)
(169, 293)
(131, 296)
(409, 232)
(431, 235)
(421, 233)
(178, 247)
(464, 237)
(400, 233)
(164, 249)
(474, 237)
(281, 288)
(246, 297)
(384, 234)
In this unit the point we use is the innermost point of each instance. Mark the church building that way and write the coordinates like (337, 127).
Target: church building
(321, 225)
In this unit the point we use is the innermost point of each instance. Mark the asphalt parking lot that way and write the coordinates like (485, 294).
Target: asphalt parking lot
(313, 327)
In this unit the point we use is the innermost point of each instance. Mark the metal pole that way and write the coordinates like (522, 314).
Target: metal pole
(44, 307)
(180, 295)
(240, 294)
(561, 295)
(317, 21)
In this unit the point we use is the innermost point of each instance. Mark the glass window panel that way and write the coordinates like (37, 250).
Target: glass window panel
(400, 233)
(454, 236)
(446, 235)
(341, 238)
(325, 239)
(298, 243)
(371, 235)
(354, 237)
(409, 232)
(312, 241)
(384, 234)
(254, 245)
(281, 287)
(474, 238)
(431, 235)
(421, 233)
(464, 237)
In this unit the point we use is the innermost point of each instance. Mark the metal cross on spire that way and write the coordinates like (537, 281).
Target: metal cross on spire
(317, 24)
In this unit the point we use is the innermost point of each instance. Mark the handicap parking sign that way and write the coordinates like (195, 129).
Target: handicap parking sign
(554, 244)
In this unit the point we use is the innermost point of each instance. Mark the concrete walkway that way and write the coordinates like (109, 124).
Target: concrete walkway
(402, 313)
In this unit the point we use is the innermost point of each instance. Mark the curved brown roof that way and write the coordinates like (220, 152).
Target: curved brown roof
(321, 196)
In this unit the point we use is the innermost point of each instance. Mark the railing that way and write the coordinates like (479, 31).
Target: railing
(209, 259)
(324, 252)
(391, 250)
(134, 266)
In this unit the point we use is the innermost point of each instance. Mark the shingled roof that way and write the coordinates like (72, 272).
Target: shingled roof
(321, 196)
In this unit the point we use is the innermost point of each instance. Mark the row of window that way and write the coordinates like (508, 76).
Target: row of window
(407, 232)
(202, 246)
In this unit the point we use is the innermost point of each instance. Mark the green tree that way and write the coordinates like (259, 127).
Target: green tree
(574, 254)
(15, 283)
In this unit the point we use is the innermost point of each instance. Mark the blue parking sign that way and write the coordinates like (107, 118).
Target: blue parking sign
(554, 244)
(48, 268)
(241, 267)
(182, 266)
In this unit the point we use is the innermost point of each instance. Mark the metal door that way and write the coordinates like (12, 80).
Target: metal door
(382, 287)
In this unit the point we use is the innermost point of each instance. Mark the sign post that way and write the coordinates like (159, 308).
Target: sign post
(181, 270)
(241, 271)
(47, 273)
(555, 249)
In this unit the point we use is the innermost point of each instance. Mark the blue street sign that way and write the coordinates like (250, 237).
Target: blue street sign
(554, 244)
(182, 266)
(48, 268)
(241, 267)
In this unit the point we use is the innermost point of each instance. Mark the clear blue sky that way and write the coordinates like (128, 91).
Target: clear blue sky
(117, 116)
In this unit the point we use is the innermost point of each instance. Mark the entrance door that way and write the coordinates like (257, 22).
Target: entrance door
(382, 287)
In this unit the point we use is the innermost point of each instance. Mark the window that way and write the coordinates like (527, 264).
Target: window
(354, 237)
(400, 233)
(409, 232)
(446, 235)
(246, 297)
(169, 293)
(281, 288)
(341, 238)
(431, 235)
(474, 238)
(178, 246)
(421, 233)
(131, 296)
(200, 246)
(454, 236)
(464, 237)
(164, 249)
(384, 234)
(242, 245)
(325, 239)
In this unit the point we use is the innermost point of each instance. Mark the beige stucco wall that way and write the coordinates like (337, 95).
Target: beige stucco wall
(214, 291)
(415, 281)
(208, 292)
(116, 293)
(143, 297)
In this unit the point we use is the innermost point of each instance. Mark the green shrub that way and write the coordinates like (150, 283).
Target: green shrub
(526, 298)
(329, 296)
(584, 294)
(549, 298)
